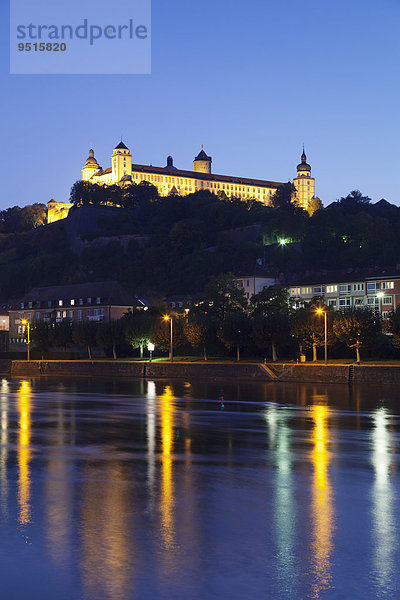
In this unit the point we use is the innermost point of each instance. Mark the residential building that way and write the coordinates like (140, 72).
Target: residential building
(379, 290)
(254, 281)
(99, 301)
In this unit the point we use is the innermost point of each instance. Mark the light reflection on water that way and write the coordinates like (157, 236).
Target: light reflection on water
(124, 490)
(322, 505)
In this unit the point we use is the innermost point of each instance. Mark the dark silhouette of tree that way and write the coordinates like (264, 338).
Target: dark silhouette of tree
(61, 335)
(235, 331)
(392, 325)
(222, 296)
(40, 336)
(109, 334)
(84, 334)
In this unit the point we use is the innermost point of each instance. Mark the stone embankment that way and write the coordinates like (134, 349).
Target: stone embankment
(292, 373)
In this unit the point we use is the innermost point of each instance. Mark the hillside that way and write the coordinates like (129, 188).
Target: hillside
(173, 245)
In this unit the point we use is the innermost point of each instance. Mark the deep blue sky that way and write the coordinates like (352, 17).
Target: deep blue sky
(251, 81)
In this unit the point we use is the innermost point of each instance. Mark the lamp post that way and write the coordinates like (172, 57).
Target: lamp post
(26, 322)
(150, 348)
(320, 311)
(169, 318)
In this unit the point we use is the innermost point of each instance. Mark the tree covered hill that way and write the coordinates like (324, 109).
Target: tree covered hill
(156, 246)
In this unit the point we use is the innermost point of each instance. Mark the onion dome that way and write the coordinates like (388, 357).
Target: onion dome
(170, 163)
(303, 166)
(91, 161)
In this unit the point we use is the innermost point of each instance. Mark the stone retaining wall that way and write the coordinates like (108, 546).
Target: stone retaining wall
(228, 371)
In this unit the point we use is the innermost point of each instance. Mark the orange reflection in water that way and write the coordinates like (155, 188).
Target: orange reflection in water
(59, 496)
(24, 452)
(108, 553)
(167, 491)
(322, 507)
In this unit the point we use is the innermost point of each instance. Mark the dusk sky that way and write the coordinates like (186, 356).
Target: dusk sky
(251, 81)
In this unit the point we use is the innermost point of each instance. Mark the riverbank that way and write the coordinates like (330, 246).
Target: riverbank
(233, 371)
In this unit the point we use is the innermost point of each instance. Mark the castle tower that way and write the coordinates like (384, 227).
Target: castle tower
(121, 162)
(304, 183)
(202, 163)
(91, 167)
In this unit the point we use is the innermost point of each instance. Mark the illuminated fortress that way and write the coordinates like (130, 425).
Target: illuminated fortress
(170, 180)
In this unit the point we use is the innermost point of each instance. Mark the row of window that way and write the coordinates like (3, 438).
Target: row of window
(346, 288)
(72, 302)
(60, 314)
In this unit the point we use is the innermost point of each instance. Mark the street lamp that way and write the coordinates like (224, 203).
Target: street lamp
(169, 318)
(320, 311)
(26, 322)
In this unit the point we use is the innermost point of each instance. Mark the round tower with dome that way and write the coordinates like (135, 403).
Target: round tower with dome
(202, 163)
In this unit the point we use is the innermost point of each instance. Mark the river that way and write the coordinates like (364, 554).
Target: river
(122, 490)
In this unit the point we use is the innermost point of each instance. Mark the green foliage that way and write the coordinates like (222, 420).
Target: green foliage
(161, 333)
(357, 328)
(137, 327)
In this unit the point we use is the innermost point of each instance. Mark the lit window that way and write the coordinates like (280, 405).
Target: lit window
(98, 300)
(60, 303)
(80, 301)
(72, 302)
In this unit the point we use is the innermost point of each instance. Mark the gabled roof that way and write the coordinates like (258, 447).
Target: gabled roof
(204, 176)
(110, 292)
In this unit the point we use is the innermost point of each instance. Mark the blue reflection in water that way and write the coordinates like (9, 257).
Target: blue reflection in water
(128, 490)
(384, 525)
(284, 505)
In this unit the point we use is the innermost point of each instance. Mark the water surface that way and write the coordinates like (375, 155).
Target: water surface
(188, 490)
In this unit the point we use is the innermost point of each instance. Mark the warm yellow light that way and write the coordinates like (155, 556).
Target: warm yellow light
(24, 321)
(320, 311)
(166, 318)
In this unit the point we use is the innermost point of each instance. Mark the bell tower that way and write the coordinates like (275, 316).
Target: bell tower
(121, 162)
